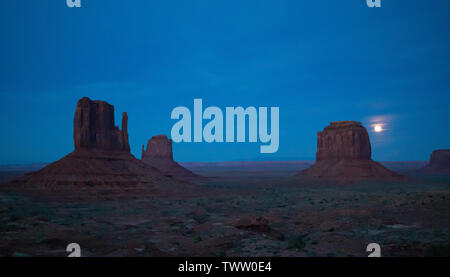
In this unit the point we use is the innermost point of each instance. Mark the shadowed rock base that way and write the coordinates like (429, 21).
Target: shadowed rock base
(93, 168)
(348, 170)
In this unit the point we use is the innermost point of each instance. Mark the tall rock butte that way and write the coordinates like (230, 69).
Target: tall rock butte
(159, 155)
(344, 154)
(101, 156)
(343, 140)
(439, 163)
(93, 127)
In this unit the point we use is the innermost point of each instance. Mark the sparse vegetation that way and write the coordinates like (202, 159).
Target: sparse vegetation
(297, 242)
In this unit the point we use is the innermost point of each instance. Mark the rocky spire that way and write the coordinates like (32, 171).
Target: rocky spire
(125, 142)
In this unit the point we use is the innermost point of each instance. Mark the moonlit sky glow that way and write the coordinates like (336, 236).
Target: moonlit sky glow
(378, 128)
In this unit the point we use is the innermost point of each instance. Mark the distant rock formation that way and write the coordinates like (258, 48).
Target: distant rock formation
(158, 147)
(102, 154)
(440, 158)
(344, 154)
(439, 163)
(159, 155)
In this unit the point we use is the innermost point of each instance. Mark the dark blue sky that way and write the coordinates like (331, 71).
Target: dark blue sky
(318, 60)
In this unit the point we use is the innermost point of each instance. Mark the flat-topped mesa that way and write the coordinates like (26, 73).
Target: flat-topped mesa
(343, 140)
(93, 127)
(439, 163)
(159, 147)
(440, 158)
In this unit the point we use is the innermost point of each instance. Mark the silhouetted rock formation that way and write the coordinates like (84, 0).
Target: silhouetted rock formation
(439, 163)
(102, 153)
(159, 155)
(93, 127)
(343, 140)
(344, 154)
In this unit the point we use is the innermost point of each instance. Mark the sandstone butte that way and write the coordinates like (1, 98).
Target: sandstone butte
(101, 156)
(439, 163)
(159, 154)
(344, 154)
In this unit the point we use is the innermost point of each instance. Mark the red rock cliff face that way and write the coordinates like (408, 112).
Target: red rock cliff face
(344, 140)
(158, 147)
(93, 127)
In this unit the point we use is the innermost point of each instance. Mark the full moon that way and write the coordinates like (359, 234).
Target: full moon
(377, 128)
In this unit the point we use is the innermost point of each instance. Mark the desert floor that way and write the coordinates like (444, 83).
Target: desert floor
(251, 215)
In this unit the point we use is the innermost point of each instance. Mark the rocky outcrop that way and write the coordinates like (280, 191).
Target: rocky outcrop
(439, 163)
(93, 127)
(343, 140)
(158, 147)
(101, 156)
(344, 154)
(159, 155)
